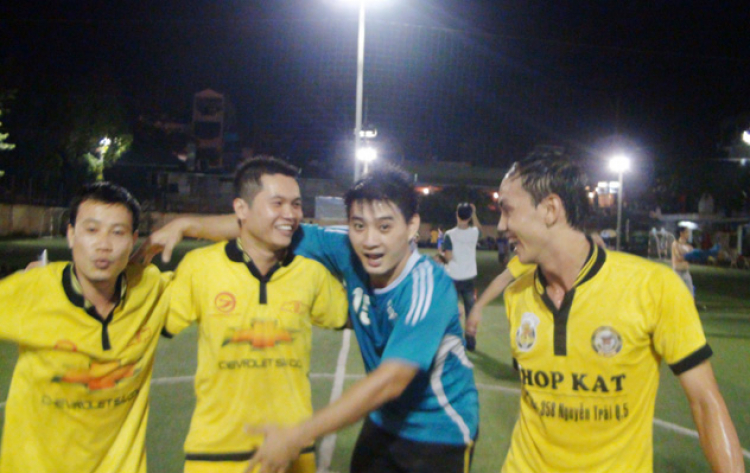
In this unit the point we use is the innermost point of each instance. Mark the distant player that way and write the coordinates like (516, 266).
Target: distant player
(254, 301)
(419, 395)
(459, 253)
(588, 331)
(87, 334)
(680, 248)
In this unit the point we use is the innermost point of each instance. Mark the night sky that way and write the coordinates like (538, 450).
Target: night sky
(472, 80)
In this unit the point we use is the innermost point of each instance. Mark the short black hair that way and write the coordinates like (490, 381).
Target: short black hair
(464, 211)
(107, 193)
(560, 175)
(247, 176)
(387, 183)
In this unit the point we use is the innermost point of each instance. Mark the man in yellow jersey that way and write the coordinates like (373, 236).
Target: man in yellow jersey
(588, 330)
(254, 302)
(87, 334)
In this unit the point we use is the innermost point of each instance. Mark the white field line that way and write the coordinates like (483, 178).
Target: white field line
(328, 444)
(489, 387)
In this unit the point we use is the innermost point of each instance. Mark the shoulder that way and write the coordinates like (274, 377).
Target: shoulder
(627, 266)
(303, 263)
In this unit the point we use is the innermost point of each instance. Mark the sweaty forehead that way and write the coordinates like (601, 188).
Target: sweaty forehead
(112, 213)
(375, 209)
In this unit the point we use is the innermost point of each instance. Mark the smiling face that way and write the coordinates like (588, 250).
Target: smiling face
(101, 241)
(380, 237)
(271, 218)
(522, 222)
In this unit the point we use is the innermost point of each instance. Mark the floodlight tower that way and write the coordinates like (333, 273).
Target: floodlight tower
(619, 164)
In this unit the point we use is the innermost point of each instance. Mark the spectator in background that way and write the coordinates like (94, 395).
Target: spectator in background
(459, 253)
(681, 247)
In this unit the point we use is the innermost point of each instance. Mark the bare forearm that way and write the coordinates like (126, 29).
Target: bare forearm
(496, 287)
(718, 437)
(716, 431)
(382, 385)
(216, 228)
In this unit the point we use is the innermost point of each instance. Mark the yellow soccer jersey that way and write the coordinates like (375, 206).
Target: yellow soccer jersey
(590, 370)
(518, 269)
(254, 343)
(78, 400)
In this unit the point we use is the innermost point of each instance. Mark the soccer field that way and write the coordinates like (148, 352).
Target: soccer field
(723, 295)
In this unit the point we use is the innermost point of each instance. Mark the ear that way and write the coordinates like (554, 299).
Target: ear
(413, 224)
(554, 210)
(240, 208)
(71, 236)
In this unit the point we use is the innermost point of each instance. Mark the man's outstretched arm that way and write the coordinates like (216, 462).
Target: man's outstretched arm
(283, 444)
(164, 240)
(716, 432)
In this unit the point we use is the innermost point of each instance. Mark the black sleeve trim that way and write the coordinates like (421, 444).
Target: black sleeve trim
(692, 360)
(515, 365)
(231, 457)
(166, 334)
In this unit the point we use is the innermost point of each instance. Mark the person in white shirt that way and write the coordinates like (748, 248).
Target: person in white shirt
(459, 253)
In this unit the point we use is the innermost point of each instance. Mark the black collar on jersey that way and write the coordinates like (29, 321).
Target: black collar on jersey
(73, 290)
(235, 253)
(594, 262)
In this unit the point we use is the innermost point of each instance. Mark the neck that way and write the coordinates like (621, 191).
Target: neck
(563, 261)
(101, 294)
(463, 225)
(263, 258)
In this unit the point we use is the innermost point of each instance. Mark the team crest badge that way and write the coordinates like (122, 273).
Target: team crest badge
(606, 341)
(526, 333)
(225, 302)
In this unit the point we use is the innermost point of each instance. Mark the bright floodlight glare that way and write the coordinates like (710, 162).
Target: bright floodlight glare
(495, 195)
(426, 191)
(105, 141)
(367, 155)
(619, 163)
(746, 136)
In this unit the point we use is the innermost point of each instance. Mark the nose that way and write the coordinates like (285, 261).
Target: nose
(291, 212)
(502, 225)
(371, 238)
(103, 241)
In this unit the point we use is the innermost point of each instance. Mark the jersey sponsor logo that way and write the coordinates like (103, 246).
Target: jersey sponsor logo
(526, 333)
(62, 403)
(143, 335)
(361, 305)
(606, 341)
(66, 345)
(99, 375)
(295, 307)
(392, 314)
(261, 334)
(225, 302)
(576, 382)
(260, 363)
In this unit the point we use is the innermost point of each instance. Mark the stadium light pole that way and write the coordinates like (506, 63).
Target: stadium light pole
(366, 155)
(619, 164)
(360, 86)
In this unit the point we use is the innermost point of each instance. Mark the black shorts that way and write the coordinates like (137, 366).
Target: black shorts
(378, 451)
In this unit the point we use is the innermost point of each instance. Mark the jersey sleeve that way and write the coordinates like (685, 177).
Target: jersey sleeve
(518, 269)
(424, 317)
(14, 297)
(447, 243)
(678, 335)
(326, 245)
(181, 298)
(330, 306)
